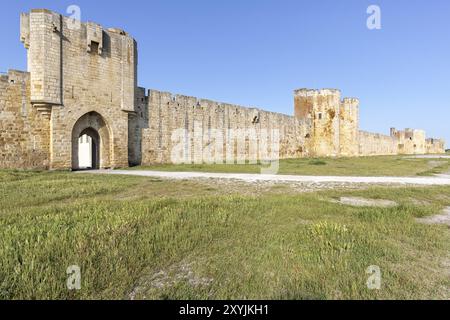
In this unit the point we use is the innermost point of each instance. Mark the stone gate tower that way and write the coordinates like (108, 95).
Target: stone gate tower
(82, 81)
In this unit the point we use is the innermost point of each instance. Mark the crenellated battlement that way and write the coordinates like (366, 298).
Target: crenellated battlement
(304, 92)
(350, 101)
(61, 49)
(15, 76)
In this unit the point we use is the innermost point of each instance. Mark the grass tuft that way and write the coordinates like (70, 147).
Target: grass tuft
(317, 162)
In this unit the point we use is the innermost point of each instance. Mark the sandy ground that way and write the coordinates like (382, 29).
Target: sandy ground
(440, 180)
(443, 218)
(363, 202)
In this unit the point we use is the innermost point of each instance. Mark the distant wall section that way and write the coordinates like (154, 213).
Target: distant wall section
(372, 144)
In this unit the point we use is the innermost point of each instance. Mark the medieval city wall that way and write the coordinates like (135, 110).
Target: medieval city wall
(372, 144)
(435, 146)
(24, 134)
(200, 118)
(82, 79)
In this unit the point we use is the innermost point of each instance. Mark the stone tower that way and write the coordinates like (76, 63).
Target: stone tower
(349, 127)
(322, 107)
(40, 33)
(410, 141)
(83, 81)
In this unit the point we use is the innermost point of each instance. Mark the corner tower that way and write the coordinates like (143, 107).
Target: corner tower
(322, 107)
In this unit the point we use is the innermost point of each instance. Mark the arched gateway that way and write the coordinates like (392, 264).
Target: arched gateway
(91, 143)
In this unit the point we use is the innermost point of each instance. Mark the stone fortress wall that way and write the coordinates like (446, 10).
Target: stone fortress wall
(82, 79)
(80, 76)
(24, 133)
(200, 117)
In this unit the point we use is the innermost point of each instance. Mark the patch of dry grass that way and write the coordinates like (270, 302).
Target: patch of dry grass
(157, 239)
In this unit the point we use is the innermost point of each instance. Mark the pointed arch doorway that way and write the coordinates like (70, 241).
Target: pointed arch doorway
(91, 148)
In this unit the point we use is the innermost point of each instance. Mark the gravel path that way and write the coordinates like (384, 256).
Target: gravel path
(442, 180)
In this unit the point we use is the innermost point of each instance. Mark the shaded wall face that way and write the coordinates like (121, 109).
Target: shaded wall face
(137, 122)
(24, 133)
(303, 107)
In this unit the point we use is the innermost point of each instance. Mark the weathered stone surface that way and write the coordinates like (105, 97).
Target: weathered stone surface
(73, 79)
(82, 78)
(169, 112)
(349, 127)
(322, 108)
(24, 133)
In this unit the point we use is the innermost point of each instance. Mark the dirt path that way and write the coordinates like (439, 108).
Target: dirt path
(442, 180)
(443, 218)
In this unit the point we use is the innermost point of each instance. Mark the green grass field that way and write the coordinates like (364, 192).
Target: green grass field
(157, 239)
(363, 166)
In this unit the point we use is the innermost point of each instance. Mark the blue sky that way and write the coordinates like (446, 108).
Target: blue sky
(256, 52)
